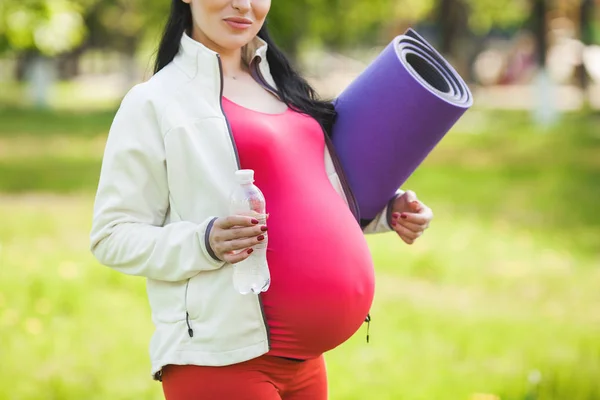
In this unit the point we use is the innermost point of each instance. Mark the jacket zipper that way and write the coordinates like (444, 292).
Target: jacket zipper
(237, 160)
(352, 203)
(235, 150)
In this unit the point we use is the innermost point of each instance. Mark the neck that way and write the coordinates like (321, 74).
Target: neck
(233, 64)
(231, 60)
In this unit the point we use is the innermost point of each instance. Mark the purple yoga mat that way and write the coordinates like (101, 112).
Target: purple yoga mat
(393, 115)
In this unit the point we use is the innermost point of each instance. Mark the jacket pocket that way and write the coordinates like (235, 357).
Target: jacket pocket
(218, 315)
(204, 293)
(166, 300)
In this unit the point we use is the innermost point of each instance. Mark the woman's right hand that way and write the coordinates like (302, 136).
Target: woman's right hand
(230, 235)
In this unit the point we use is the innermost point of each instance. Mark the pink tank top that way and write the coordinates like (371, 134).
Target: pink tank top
(322, 278)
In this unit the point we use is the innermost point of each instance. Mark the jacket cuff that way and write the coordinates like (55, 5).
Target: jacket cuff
(383, 221)
(390, 209)
(207, 245)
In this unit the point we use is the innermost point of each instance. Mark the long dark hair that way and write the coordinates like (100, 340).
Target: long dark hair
(292, 88)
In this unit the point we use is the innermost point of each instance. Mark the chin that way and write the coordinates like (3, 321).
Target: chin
(235, 43)
(234, 40)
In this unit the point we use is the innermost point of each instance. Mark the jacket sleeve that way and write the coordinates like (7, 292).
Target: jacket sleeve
(382, 222)
(132, 202)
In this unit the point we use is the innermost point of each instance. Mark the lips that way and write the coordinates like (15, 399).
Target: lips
(238, 22)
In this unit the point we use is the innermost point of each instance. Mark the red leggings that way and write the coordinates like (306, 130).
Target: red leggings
(264, 378)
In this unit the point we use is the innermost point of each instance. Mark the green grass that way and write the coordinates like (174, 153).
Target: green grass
(65, 95)
(501, 289)
(51, 151)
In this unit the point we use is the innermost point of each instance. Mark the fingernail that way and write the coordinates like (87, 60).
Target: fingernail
(250, 251)
(394, 223)
(395, 215)
(261, 237)
(263, 228)
(403, 216)
(254, 221)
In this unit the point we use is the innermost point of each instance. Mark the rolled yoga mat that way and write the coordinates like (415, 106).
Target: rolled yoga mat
(393, 115)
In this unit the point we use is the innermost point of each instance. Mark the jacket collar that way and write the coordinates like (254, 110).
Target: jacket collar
(194, 57)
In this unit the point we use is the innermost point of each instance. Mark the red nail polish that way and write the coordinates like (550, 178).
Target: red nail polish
(254, 221)
(260, 238)
(394, 223)
(404, 216)
(250, 251)
(395, 215)
(263, 228)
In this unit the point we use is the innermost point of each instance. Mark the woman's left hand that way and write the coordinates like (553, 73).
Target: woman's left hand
(410, 217)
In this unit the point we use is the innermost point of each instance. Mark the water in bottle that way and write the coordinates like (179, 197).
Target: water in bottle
(251, 275)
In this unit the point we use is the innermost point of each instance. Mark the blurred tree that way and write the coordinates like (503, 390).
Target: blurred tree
(462, 26)
(36, 30)
(69, 27)
(58, 26)
(49, 27)
(486, 14)
(340, 23)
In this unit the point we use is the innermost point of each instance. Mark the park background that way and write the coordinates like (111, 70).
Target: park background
(499, 300)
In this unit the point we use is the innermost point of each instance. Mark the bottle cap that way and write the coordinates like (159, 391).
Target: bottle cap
(244, 176)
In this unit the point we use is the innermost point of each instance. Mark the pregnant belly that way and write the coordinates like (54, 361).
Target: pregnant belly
(322, 278)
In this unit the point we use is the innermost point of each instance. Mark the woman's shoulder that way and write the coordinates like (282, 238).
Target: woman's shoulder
(144, 103)
(168, 81)
(156, 93)
(168, 99)
(159, 86)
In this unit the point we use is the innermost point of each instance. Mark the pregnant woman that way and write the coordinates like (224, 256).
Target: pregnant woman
(222, 98)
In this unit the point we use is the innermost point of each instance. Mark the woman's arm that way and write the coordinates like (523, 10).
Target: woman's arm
(133, 199)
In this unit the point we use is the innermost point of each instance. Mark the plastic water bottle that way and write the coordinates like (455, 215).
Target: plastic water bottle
(251, 275)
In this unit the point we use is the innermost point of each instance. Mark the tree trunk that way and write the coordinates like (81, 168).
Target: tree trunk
(452, 20)
(23, 60)
(545, 111)
(540, 30)
(447, 25)
(41, 76)
(586, 11)
(68, 64)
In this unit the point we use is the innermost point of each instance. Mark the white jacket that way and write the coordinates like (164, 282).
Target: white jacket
(167, 171)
